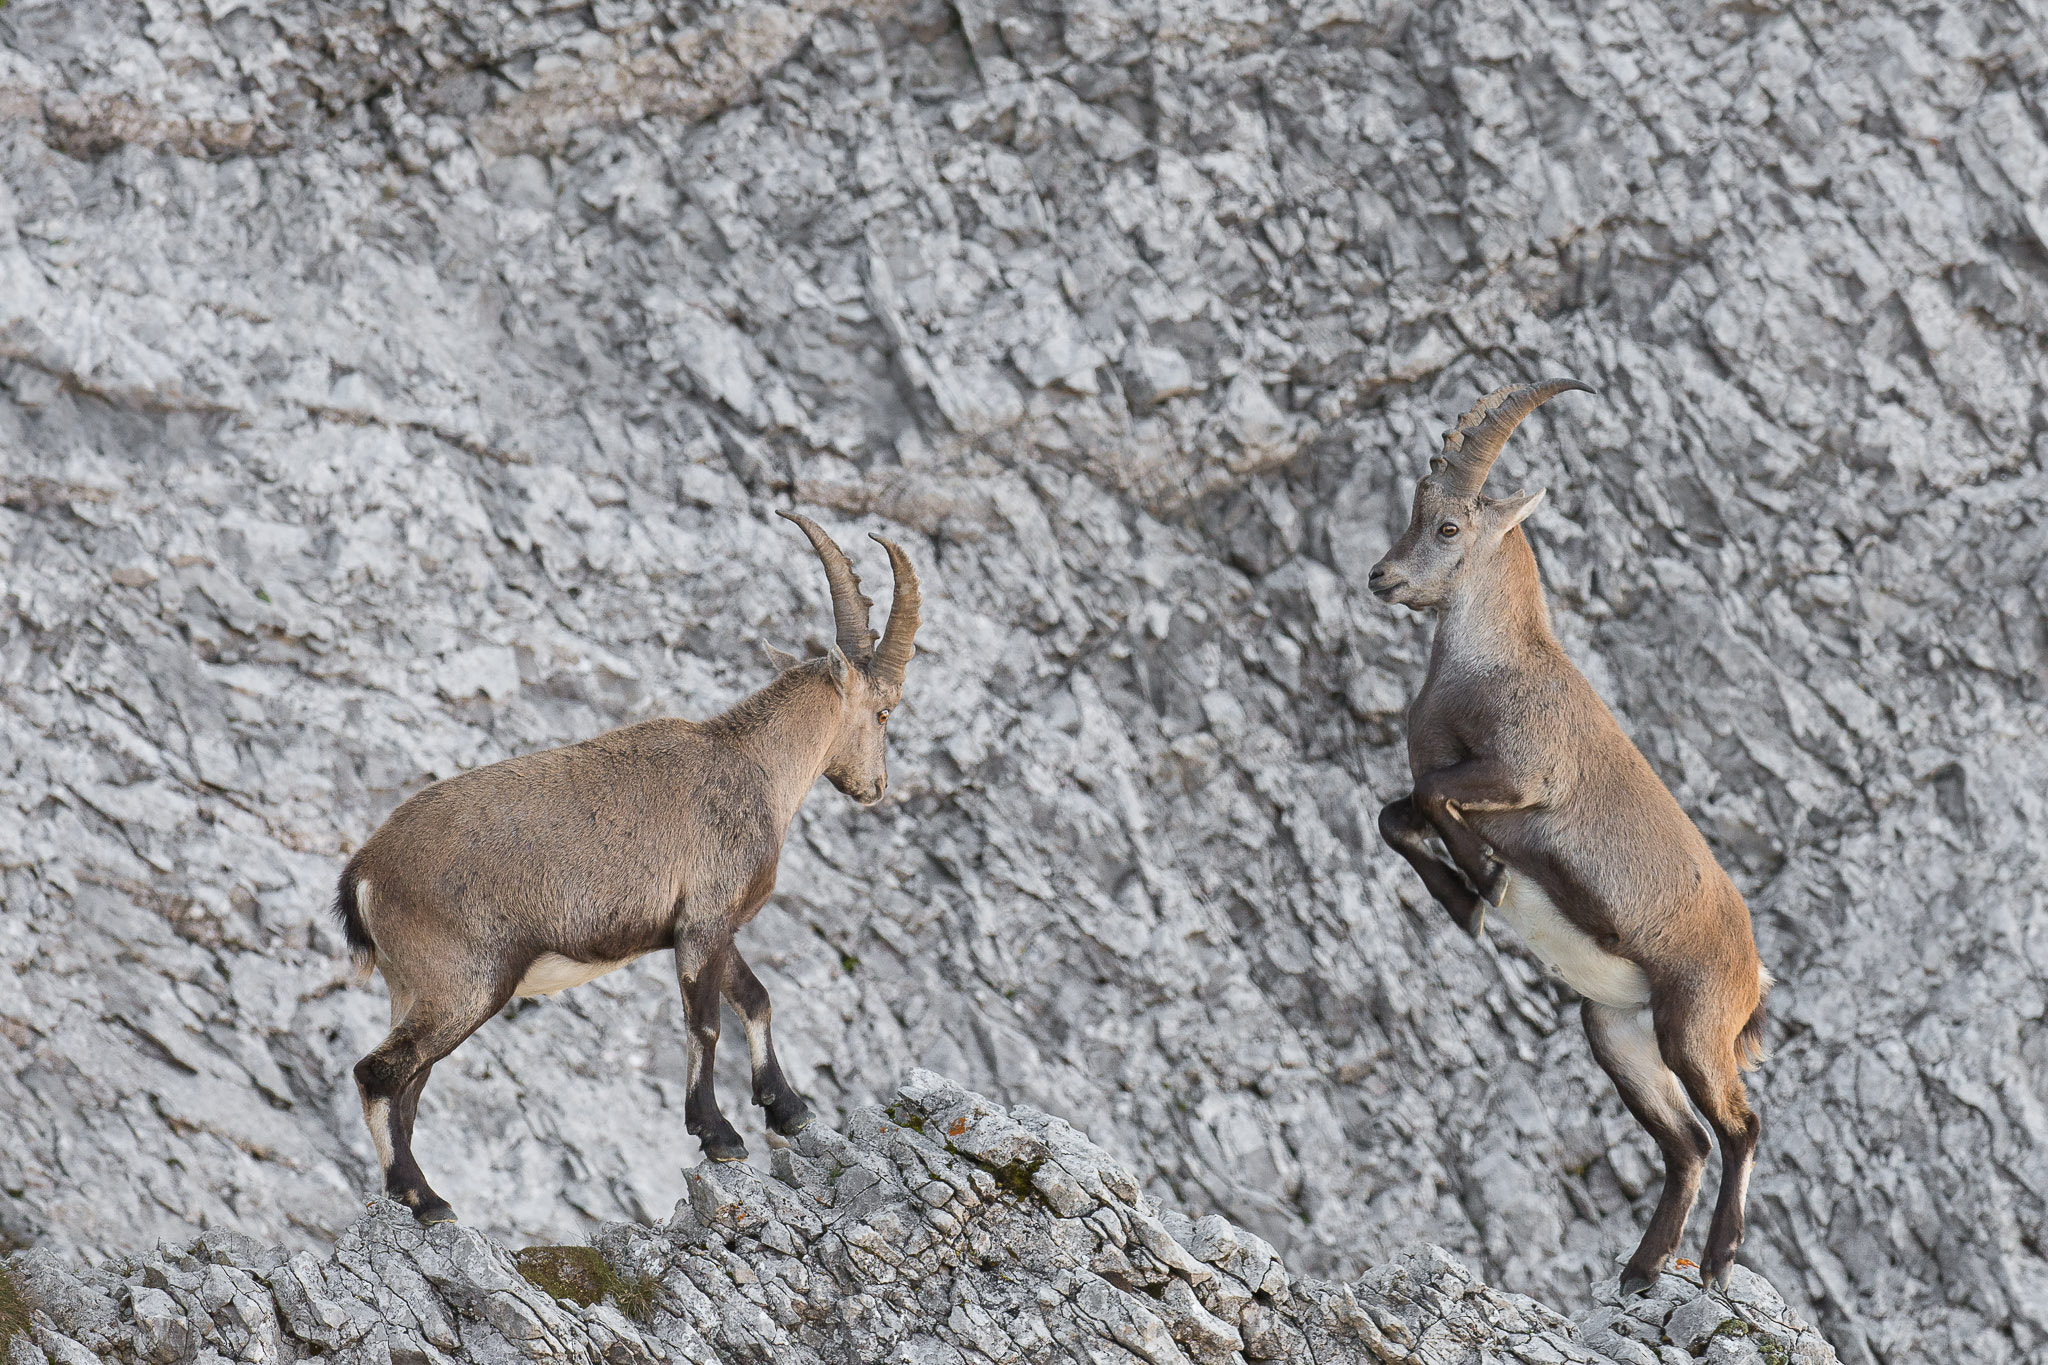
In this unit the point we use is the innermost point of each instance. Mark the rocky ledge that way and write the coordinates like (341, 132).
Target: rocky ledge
(940, 1228)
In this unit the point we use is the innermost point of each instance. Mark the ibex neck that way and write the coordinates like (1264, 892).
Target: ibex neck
(1499, 614)
(788, 728)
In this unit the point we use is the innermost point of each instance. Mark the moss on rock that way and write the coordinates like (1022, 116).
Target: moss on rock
(583, 1276)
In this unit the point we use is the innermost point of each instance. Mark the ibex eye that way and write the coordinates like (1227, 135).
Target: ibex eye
(1448, 529)
(882, 717)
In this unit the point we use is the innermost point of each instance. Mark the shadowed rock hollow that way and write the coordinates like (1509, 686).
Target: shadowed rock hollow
(939, 1229)
(388, 388)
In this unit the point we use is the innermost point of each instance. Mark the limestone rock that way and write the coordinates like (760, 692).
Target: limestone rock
(841, 1254)
(389, 388)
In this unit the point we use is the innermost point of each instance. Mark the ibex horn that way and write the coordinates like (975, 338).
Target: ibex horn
(849, 606)
(1471, 447)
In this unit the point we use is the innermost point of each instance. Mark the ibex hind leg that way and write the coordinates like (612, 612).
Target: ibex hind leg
(391, 1078)
(787, 1112)
(1625, 1044)
(1700, 1045)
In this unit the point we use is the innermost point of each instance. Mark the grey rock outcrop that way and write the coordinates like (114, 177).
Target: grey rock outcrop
(389, 387)
(942, 1229)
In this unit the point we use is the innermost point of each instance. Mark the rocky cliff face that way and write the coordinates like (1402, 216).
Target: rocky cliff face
(939, 1229)
(391, 388)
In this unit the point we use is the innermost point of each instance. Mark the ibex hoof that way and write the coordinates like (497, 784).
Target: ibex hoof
(1471, 918)
(435, 1213)
(722, 1149)
(1496, 888)
(791, 1124)
(1635, 1282)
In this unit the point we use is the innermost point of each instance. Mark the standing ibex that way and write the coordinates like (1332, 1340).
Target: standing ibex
(548, 870)
(1552, 815)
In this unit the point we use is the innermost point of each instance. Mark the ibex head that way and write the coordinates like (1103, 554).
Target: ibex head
(867, 671)
(1455, 529)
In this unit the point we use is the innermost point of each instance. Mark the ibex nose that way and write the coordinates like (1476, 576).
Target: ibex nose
(1382, 580)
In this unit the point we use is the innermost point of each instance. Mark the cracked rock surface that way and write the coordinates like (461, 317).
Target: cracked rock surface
(387, 388)
(941, 1228)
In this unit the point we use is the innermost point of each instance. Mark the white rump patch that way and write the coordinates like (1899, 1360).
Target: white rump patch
(551, 973)
(362, 961)
(1569, 953)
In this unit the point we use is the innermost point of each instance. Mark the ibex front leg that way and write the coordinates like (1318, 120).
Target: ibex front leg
(1477, 784)
(1407, 833)
(700, 969)
(787, 1112)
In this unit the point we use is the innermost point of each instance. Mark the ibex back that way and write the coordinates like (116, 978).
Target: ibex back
(548, 870)
(1551, 814)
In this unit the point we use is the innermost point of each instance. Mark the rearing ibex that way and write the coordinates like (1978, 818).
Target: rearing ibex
(1552, 815)
(548, 870)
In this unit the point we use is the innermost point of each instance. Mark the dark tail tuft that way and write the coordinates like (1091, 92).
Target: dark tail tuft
(362, 949)
(1750, 1052)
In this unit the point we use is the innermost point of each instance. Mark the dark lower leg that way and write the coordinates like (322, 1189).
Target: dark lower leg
(1407, 833)
(419, 1196)
(1475, 784)
(1473, 859)
(787, 1112)
(1737, 1129)
(385, 1078)
(701, 974)
(1716, 1087)
(1625, 1045)
(391, 1079)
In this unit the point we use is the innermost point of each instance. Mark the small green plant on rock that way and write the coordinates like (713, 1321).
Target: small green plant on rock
(1769, 1348)
(582, 1276)
(1015, 1179)
(904, 1118)
(13, 1309)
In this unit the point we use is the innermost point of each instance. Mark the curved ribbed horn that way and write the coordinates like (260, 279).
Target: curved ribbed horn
(1471, 447)
(892, 656)
(849, 607)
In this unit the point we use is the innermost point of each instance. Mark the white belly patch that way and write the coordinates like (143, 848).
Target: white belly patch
(551, 972)
(1569, 953)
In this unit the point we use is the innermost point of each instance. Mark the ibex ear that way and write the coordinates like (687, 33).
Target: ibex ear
(840, 668)
(1516, 507)
(781, 661)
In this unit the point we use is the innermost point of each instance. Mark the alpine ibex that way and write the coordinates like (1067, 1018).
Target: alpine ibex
(1550, 814)
(548, 870)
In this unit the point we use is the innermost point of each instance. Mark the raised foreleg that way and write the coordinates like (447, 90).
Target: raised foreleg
(1443, 796)
(1407, 833)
